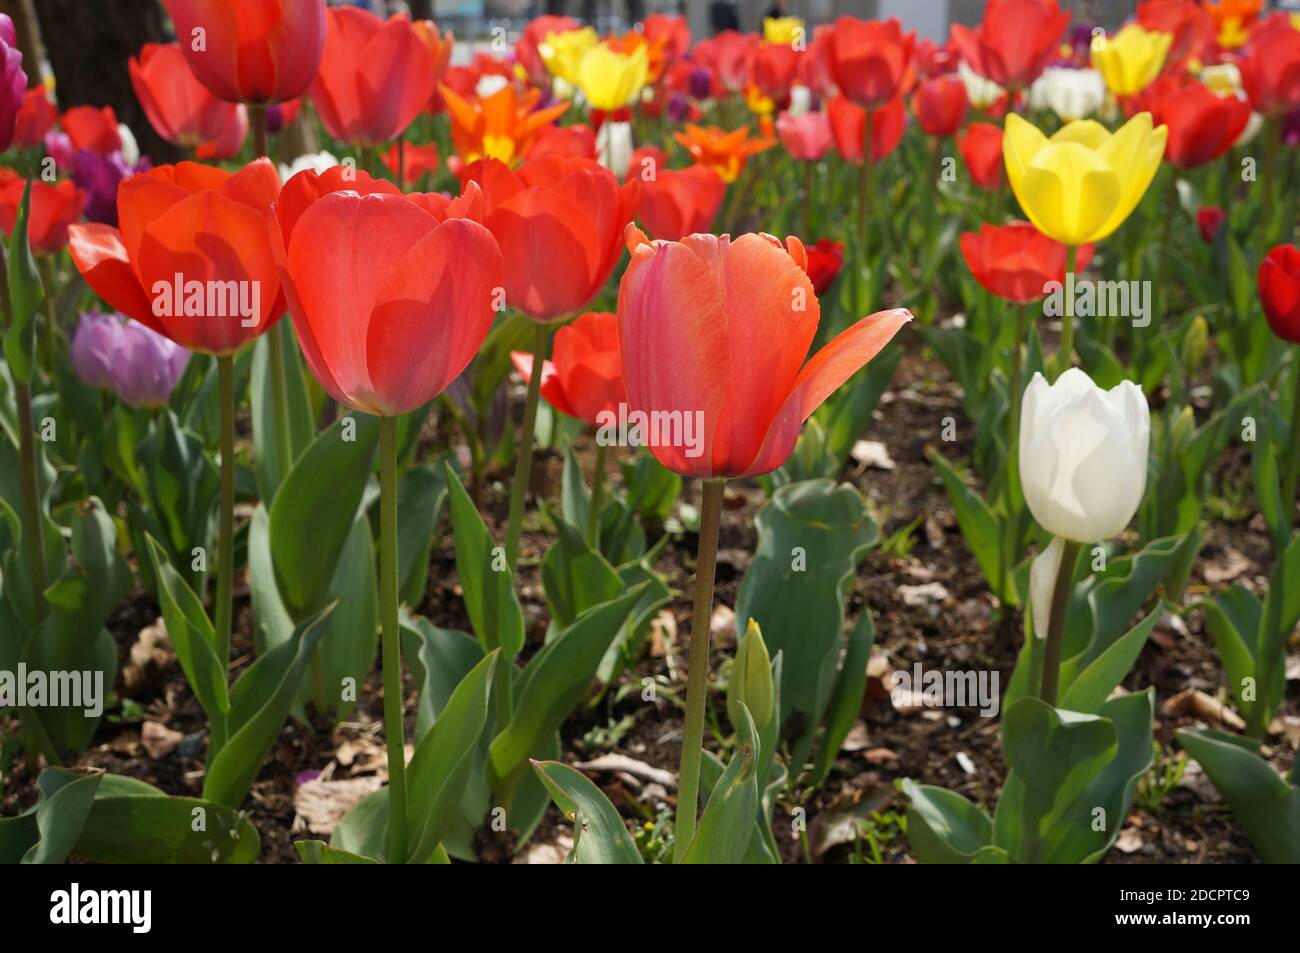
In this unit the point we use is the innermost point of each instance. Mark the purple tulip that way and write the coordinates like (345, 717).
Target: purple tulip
(58, 146)
(1291, 129)
(700, 83)
(13, 81)
(111, 352)
(98, 176)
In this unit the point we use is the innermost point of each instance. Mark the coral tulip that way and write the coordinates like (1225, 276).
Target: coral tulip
(1202, 126)
(35, 118)
(728, 55)
(1082, 183)
(981, 149)
(1279, 291)
(375, 76)
(179, 107)
(940, 104)
(869, 60)
(773, 69)
(112, 352)
(849, 127)
(1014, 42)
(251, 51)
(1016, 261)
(584, 377)
(680, 202)
(724, 152)
(53, 209)
(559, 222)
(1131, 59)
(417, 160)
(807, 137)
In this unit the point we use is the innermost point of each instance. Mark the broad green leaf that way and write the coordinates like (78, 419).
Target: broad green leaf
(439, 660)
(575, 577)
(943, 827)
(1091, 687)
(157, 829)
(420, 498)
(846, 699)
(24, 293)
(729, 819)
(319, 852)
(600, 836)
(485, 577)
(980, 528)
(269, 469)
(64, 806)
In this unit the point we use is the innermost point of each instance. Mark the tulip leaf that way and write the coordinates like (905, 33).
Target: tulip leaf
(600, 836)
(1090, 688)
(439, 660)
(575, 498)
(943, 827)
(981, 530)
(61, 812)
(652, 488)
(314, 510)
(575, 577)
(1267, 474)
(269, 469)
(729, 819)
(846, 699)
(24, 293)
(319, 852)
(1262, 802)
(420, 498)
(364, 828)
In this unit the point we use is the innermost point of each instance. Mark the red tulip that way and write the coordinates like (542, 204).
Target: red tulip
(1015, 42)
(807, 137)
(1279, 290)
(869, 60)
(728, 55)
(374, 79)
(577, 140)
(1270, 69)
(1015, 261)
(825, 259)
(35, 118)
(53, 209)
(199, 226)
(231, 140)
(251, 51)
(1209, 219)
(559, 222)
(981, 149)
(940, 104)
(584, 378)
(773, 68)
(1185, 20)
(179, 107)
(307, 187)
(91, 128)
(849, 126)
(417, 160)
(673, 32)
(390, 304)
(1202, 126)
(716, 331)
(679, 202)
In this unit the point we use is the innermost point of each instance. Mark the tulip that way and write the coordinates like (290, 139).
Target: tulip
(807, 137)
(726, 153)
(1015, 41)
(251, 51)
(390, 305)
(99, 176)
(680, 202)
(849, 122)
(1202, 126)
(93, 129)
(530, 40)
(786, 31)
(869, 61)
(940, 105)
(578, 141)
(716, 331)
(1188, 24)
(983, 94)
(112, 352)
(1016, 261)
(179, 107)
(501, 126)
(13, 81)
(564, 52)
(411, 162)
(610, 80)
(673, 33)
(1270, 70)
(728, 56)
(231, 140)
(53, 209)
(1070, 93)
(614, 146)
(1083, 470)
(1209, 219)
(825, 259)
(35, 118)
(375, 77)
(1131, 59)
(981, 149)
(1279, 291)
(773, 69)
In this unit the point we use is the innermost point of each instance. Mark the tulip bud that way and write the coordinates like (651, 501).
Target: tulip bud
(1195, 343)
(751, 679)
(1083, 455)
(1184, 428)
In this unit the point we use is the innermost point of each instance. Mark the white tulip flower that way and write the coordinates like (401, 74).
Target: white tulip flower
(1070, 93)
(614, 147)
(981, 92)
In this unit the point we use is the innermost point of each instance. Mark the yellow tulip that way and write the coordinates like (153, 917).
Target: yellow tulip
(1081, 184)
(1131, 59)
(610, 79)
(563, 52)
(786, 30)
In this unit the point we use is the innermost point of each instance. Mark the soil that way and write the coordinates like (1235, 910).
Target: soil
(856, 816)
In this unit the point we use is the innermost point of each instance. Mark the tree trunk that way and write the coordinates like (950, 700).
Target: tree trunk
(88, 51)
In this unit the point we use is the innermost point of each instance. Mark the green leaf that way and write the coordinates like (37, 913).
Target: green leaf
(24, 293)
(439, 660)
(1092, 686)
(488, 585)
(600, 836)
(730, 819)
(575, 577)
(846, 699)
(145, 829)
(575, 499)
(420, 498)
(269, 469)
(319, 852)
(848, 415)
(943, 827)
(61, 813)
(980, 528)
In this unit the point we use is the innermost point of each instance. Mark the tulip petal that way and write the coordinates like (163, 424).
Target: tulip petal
(552, 389)
(100, 256)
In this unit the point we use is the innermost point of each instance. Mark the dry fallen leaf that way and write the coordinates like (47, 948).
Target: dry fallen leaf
(1194, 703)
(1129, 841)
(1226, 568)
(856, 739)
(872, 453)
(555, 852)
(924, 594)
(158, 740)
(150, 657)
(723, 625)
(663, 632)
(607, 763)
(320, 805)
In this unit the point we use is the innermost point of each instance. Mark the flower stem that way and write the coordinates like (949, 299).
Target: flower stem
(1291, 465)
(226, 514)
(392, 656)
(46, 267)
(279, 401)
(864, 188)
(597, 498)
(1056, 622)
(524, 452)
(688, 782)
(257, 120)
(1065, 353)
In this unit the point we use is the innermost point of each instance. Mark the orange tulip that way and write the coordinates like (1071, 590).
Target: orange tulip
(179, 107)
(716, 331)
(193, 258)
(680, 202)
(502, 126)
(849, 126)
(53, 209)
(584, 378)
(724, 152)
(251, 51)
(375, 76)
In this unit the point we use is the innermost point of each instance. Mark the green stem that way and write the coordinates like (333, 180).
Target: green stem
(46, 266)
(597, 498)
(1056, 621)
(392, 656)
(1017, 385)
(864, 188)
(1291, 466)
(257, 121)
(688, 779)
(226, 514)
(524, 452)
(279, 401)
(1272, 145)
(33, 524)
(1065, 353)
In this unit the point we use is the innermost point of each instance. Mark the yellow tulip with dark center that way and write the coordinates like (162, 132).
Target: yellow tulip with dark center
(1081, 184)
(1130, 60)
(610, 79)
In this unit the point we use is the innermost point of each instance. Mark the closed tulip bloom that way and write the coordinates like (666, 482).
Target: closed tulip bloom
(112, 352)
(825, 259)
(559, 222)
(53, 209)
(719, 329)
(849, 127)
(940, 104)
(983, 94)
(1131, 59)
(180, 108)
(1270, 70)
(375, 77)
(91, 128)
(610, 79)
(1083, 455)
(870, 60)
(1016, 261)
(206, 226)
(416, 161)
(1014, 42)
(35, 118)
(680, 202)
(614, 146)
(1209, 219)
(807, 137)
(1188, 24)
(981, 149)
(1081, 184)
(1202, 126)
(532, 37)
(389, 303)
(1279, 291)
(1070, 93)
(13, 81)
(773, 69)
(584, 377)
(251, 51)
(728, 55)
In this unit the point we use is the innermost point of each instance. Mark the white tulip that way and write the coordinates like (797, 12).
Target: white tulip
(1083, 455)
(490, 84)
(981, 92)
(1042, 583)
(614, 146)
(800, 100)
(1070, 93)
(130, 150)
(318, 161)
